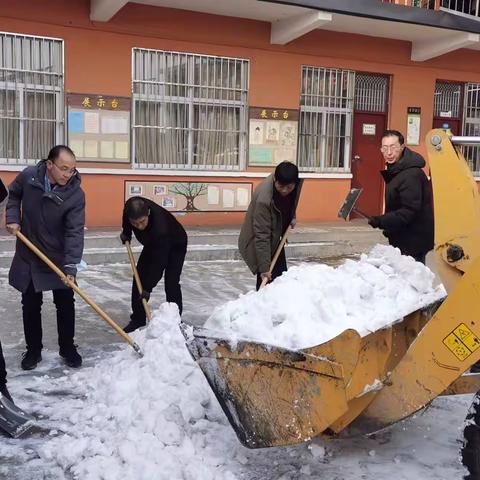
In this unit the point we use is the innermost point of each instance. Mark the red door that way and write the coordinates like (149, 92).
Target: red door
(453, 124)
(367, 160)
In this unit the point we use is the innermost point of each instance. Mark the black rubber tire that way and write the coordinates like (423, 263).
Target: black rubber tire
(471, 440)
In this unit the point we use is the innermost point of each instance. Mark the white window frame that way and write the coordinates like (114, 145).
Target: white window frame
(20, 89)
(471, 126)
(192, 102)
(326, 112)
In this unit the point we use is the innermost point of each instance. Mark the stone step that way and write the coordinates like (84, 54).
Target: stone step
(110, 239)
(221, 252)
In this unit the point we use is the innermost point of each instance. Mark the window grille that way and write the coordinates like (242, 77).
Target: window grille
(189, 111)
(31, 97)
(447, 99)
(371, 92)
(471, 124)
(326, 113)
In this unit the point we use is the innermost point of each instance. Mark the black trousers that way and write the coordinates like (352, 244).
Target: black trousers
(32, 317)
(421, 257)
(3, 370)
(151, 267)
(278, 269)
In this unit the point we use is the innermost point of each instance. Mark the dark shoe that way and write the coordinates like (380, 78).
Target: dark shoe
(5, 393)
(71, 356)
(30, 359)
(133, 326)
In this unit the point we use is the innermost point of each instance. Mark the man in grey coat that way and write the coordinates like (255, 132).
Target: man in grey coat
(270, 213)
(47, 203)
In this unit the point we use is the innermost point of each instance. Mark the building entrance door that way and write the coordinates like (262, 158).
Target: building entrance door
(367, 160)
(369, 122)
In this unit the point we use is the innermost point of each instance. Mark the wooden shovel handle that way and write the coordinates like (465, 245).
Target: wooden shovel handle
(78, 290)
(277, 254)
(146, 307)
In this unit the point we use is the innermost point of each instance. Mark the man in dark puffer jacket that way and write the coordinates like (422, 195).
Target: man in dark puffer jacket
(47, 204)
(408, 218)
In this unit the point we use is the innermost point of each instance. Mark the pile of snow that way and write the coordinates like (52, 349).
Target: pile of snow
(144, 418)
(313, 303)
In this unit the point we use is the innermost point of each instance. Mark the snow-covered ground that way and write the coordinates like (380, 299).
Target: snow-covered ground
(122, 417)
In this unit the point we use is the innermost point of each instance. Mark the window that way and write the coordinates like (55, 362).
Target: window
(31, 97)
(189, 111)
(447, 99)
(471, 124)
(371, 93)
(326, 114)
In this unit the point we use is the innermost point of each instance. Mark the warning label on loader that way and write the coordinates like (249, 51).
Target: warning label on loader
(462, 342)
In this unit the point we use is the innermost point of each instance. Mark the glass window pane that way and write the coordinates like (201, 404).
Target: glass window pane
(32, 67)
(189, 110)
(326, 112)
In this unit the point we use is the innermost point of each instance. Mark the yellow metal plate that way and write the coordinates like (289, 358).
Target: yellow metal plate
(462, 342)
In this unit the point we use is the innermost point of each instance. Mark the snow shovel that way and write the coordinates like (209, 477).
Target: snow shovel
(80, 292)
(13, 420)
(349, 205)
(148, 312)
(277, 254)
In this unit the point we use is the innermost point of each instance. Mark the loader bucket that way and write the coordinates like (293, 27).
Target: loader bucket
(274, 396)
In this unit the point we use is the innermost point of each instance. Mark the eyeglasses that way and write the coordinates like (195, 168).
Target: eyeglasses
(65, 170)
(391, 148)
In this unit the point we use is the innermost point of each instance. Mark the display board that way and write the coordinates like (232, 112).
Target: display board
(273, 135)
(193, 196)
(99, 127)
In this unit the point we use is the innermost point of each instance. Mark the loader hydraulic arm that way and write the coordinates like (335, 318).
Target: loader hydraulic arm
(456, 205)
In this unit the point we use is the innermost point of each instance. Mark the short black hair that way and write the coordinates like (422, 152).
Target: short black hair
(57, 150)
(394, 133)
(136, 208)
(286, 173)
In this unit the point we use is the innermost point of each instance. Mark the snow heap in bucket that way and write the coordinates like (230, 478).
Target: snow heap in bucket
(310, 304)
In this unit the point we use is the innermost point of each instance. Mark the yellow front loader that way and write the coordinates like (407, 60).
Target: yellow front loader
(274, 396)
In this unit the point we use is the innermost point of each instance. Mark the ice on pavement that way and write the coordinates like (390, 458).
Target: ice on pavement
(313, 303)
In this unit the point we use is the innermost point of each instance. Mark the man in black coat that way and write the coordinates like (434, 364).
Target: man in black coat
(408, 218)
(3, 371)
(47, 203)
(165, 246)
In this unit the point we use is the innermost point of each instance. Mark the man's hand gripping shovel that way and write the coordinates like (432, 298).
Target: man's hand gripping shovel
(79, 291)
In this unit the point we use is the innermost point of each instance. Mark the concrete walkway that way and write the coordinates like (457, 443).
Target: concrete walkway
(318, 240)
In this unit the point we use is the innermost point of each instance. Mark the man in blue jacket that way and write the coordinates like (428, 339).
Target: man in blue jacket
(47, 203)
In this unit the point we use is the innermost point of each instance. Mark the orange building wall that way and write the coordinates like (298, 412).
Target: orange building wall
(98, 60)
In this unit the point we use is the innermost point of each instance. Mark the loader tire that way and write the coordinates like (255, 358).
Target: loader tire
(471, 440)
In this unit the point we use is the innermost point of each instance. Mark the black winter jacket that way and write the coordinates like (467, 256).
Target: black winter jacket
(53, 221)
(408, 219)
(162, 234)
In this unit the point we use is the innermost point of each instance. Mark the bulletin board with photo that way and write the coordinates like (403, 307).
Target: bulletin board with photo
(98, 127)
(193, 196)
(273, 135)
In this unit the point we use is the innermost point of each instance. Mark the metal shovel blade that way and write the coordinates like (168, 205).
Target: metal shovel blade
(13, 420)
(349, 203)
